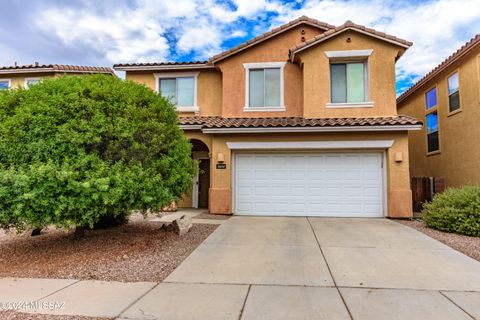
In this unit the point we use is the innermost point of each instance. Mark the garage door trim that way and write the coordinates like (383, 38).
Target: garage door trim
(383, 171)
(311, 145)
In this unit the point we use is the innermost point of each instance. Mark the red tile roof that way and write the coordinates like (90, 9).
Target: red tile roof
(220, 122)
(54, 68)
(349, 25)
(121, 66)
(457, 55)
(269, 34)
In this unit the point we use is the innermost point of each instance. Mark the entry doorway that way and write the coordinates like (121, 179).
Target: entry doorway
(201, 182)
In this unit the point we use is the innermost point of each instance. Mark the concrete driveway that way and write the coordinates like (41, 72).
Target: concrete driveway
(317, 268)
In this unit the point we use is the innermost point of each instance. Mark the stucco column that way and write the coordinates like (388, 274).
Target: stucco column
(398, 176)
(220, 196)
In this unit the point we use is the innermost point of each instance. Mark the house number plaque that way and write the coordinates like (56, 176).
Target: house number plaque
(221, 166)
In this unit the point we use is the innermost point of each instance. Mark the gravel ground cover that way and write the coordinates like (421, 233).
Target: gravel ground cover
(469, 246)
(137, 251)
(12, 315)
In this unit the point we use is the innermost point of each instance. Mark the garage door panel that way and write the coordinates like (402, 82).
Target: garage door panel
(372, 191)
(244, 191)
(355, 192)
(320, 184)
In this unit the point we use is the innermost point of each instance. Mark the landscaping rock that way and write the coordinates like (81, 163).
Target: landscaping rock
(171, 208)
(182, 225)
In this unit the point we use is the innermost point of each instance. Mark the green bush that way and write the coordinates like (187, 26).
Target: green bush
(76, 151)
(455, 210)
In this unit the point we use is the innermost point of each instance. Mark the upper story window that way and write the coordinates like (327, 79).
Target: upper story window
(5, 84)
(180, 88)
(433, 137)
(453, 93)
(349, 81)
(433, 143)
(264, 86)
(431, 98)
(31, 81)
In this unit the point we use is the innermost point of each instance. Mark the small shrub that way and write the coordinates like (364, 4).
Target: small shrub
(455, 210)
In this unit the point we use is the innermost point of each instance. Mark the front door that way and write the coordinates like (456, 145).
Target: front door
(203, 183)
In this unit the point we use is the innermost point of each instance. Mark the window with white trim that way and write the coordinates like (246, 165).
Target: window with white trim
(31, 81)
(348, 82)
(5, 84)
(349, 79)
(179, 88)
(264, 86)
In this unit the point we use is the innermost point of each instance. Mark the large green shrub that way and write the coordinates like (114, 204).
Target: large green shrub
(76, 150)
(455, 210)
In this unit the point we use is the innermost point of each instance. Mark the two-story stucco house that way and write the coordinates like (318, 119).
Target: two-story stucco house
(301, 120)
(24, 75)
(448, 100)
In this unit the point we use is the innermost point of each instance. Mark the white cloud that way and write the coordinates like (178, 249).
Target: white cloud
(154, 30)
(437, 28)
(122, 36)
(204, 35)
(238, 34)
(244, 9)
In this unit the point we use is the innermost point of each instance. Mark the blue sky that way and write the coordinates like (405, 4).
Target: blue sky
(105, 32)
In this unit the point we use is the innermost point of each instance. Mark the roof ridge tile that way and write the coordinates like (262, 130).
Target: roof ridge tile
(271, 32)
(347, 25)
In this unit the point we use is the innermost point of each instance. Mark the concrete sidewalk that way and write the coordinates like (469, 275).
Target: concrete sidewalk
(286, 268)
(70, 297)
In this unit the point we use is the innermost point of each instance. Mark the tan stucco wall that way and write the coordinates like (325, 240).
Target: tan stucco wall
(398, 183)
(209, 91)
(459, 132)
(272, 50)
(381, 74)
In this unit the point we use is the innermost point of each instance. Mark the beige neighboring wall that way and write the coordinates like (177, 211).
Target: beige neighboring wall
(459, 157)
(209, 91)
(18, 80)
(272, 50)
(381, 70)
(397, 173)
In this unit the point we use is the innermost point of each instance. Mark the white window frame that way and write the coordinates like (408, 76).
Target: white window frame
(264, 65)
(169, 75)
(9, 83)
(351, 56)
(25, 82)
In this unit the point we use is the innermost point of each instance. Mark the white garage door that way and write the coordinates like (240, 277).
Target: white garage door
(312, 184)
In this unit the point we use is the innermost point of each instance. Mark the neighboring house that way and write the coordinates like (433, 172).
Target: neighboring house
(301, 120)
(448, 100)
(24, 75)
